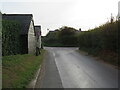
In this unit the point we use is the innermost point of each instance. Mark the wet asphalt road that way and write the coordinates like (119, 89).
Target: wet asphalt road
(66, 68)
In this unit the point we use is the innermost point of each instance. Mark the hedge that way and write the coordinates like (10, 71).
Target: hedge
(103, 37)
(102, 42)
(10, 37)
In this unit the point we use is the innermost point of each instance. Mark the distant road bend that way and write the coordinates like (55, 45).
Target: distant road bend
(66, 68)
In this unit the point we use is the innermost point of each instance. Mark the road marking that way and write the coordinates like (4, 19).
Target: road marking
(34, 81)
(37, 76)
(53, 54)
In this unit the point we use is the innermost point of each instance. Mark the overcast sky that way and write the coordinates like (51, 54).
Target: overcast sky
(53, 14)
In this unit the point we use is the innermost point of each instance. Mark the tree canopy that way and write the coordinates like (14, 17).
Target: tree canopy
(64, 36)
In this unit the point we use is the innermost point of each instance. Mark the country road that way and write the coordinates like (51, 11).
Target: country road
(66, 68)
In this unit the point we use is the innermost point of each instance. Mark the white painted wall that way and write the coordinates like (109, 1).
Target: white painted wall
(31, 40)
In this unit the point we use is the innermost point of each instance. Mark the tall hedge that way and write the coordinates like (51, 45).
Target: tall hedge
(62, 37)
(67, 36)
(104, 37)
(10, 37)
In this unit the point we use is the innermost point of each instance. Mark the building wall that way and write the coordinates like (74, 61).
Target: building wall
(31, 40)
(38, 36)
(38, 42)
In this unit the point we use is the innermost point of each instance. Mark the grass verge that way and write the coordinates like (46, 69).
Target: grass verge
(103, 55)
(18, 70)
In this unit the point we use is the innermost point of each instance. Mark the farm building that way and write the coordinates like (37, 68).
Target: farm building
(38, 39)
(27, 33)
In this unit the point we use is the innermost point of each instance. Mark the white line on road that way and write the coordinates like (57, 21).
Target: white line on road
(33, 82)
(53, 54)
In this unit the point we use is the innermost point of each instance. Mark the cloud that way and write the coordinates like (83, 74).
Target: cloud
(53, 14)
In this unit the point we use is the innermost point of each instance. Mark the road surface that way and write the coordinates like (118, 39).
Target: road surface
(66, 68)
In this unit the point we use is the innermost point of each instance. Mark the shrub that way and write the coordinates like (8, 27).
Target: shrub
(10, 37)
(103, 37)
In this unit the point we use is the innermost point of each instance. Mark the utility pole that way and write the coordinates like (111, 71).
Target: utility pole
(112, 18)
(118, 11)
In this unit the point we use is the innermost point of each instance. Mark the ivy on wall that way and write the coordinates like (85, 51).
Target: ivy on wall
(10, 37)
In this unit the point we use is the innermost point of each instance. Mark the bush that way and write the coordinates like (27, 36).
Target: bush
(10, 37)
(103, 37)
(101, 41)
(64, 36)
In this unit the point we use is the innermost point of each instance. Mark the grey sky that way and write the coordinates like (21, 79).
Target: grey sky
(53, 14)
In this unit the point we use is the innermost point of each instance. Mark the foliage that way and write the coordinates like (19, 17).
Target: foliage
(10, 37)
(103, 37)
(67, 36)
(64, 36)
(51, 38)
(102, 41)
(18, 70)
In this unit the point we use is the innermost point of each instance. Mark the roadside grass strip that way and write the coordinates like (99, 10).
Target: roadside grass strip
(18, 70)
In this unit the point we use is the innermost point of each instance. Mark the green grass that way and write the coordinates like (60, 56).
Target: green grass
(18, 70)
(104, 55)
